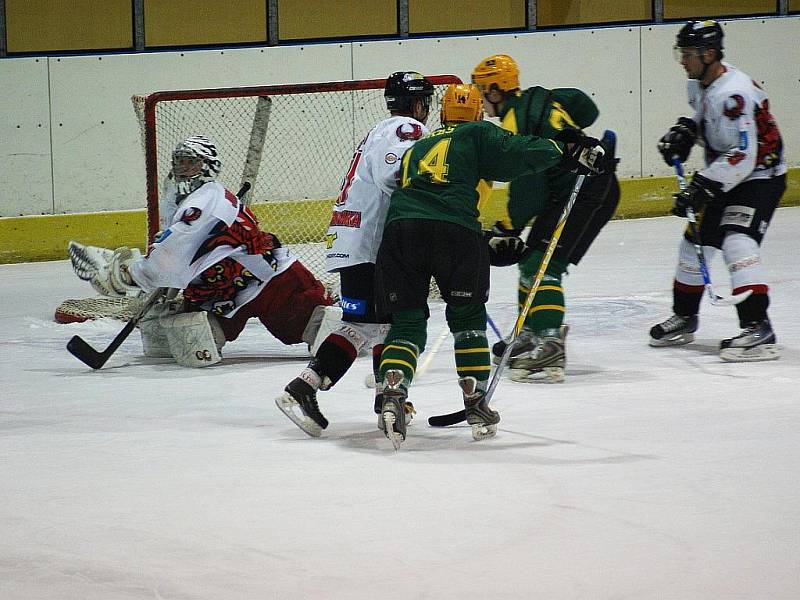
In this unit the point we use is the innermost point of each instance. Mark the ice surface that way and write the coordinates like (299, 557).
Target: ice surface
(649, 474)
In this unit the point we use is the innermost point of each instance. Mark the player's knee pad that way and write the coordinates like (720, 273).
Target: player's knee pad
(195, 338)
(324, 320)
(688, 269)
(471, 317)
(743, 258)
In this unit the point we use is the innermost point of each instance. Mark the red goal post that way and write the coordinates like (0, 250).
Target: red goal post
(292, 143)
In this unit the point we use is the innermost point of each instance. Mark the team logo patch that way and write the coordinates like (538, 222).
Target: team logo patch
(346, 218)
(391, 158)
(414, 134)
(353, 306)
(736, 158)
(734, 107)
(191, 214)
(740, 216)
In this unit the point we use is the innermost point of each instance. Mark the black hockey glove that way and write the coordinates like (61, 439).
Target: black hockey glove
(697, 194)
(583, 155)
(678, 141)
(505, 246)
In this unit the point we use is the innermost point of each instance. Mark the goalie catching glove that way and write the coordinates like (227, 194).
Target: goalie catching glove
(583, 155)
(106, 270)
(505, 246)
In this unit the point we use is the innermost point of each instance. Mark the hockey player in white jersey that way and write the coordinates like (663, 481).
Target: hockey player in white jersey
(212, 248)
(737, 191)
(353, 238)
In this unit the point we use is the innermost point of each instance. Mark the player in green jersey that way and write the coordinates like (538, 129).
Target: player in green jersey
(540, 351)
(432, 230)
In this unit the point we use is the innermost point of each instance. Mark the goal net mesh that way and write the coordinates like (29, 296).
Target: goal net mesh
(292, 143)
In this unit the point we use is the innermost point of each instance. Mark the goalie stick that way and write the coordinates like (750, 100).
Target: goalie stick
(460, 415)
(715, 298)
(80, 348)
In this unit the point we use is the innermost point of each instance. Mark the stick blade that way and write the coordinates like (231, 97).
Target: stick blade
(730, 300)
(81, 350)
(449, 419)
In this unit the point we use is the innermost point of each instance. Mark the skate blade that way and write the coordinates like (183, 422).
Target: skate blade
(482, 431)
(292, 410)
(755, 354)
(546, 375)
(389, 432)
(678, 340)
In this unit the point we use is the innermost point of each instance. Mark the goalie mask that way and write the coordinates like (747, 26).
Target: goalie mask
(403, 87)
(461, 103)
(194, 162)
(498, 72)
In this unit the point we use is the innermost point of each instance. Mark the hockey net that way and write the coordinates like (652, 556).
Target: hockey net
(291, 143)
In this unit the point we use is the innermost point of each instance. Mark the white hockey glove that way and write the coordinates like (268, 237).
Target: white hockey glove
(115, 280)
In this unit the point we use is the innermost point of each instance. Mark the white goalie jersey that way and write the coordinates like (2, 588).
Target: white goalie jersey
(356, 226)
(742, 140)
(214, 250)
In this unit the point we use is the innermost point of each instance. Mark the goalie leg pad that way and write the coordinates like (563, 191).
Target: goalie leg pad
(324, 321)
(191, 339)
(154, 337)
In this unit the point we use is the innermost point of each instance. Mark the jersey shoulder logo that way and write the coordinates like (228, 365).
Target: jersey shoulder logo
(734, 107)
(191, 214)
(409, 131)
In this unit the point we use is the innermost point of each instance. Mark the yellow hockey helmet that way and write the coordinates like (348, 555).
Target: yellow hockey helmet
(461, 102)
(499, 72)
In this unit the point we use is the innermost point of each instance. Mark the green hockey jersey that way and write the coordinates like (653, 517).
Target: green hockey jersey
(441, 171)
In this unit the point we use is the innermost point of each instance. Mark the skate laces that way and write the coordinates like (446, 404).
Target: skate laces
(674, 323)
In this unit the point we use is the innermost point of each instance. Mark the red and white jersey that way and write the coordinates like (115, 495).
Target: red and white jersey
(741, 138)
(214, 250)
(356, 227)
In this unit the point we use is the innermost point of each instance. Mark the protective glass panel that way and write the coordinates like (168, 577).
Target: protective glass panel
(64, 25)
(192, 23)
(558, 12)
(472, 15)
(686, 9)
(310, 19)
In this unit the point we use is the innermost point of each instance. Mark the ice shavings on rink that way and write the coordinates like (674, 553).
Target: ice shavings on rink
(649, 474)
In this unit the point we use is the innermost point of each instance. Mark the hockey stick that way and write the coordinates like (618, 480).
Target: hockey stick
(459, 416)
(494, 327)
(715, 299)
(81, 350)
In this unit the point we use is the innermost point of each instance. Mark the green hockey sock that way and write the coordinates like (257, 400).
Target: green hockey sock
(547, 310)
(472, 354)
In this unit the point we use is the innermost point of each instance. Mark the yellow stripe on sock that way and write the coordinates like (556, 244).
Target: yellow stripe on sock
(406, 348)
(472, 350)
(478, 368)
(555, 307)
(394, 361)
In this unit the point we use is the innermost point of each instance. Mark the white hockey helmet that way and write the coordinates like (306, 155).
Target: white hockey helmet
(194, 162)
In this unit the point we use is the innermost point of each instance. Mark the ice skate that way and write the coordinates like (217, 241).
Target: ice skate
(299, 395)
(755, 343)
(393, 412)
(407, 405)
(525, 342)
(675, 331)
(546, 362)
(483, 419)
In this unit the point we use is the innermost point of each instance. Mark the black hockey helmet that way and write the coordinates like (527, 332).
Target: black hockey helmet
(700, 34)
(403, 87)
